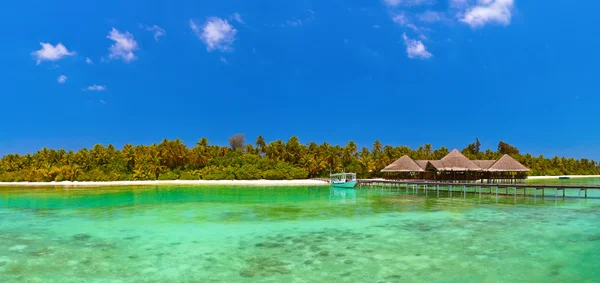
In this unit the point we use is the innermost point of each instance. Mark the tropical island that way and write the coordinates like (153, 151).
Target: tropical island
(276, 160)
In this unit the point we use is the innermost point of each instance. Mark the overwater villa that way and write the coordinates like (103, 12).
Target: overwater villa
(456, 166)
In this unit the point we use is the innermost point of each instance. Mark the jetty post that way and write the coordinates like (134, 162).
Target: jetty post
(477, 188)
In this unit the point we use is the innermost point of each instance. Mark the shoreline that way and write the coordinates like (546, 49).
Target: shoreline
(169, 182)
(301, 182)
(556, 177)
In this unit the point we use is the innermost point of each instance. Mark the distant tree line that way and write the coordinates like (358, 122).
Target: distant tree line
(172, 159)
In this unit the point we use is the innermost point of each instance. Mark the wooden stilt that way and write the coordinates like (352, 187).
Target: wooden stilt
(390, 185)
(496, 194)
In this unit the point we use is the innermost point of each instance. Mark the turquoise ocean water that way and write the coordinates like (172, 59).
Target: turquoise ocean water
(295, 234)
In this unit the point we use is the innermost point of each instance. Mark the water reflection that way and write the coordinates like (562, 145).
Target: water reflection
(343, 195)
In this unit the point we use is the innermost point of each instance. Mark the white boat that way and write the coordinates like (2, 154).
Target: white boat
(343, 180)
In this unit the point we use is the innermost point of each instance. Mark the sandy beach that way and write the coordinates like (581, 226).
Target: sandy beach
(556, 177)
(173, 182)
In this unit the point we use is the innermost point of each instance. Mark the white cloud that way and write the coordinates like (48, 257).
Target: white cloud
(51, 53)
(236, 17)
(459, 4)
(403, 20)
(158, 31)
(62, 79)
(376, 26)
(396, 3)
(489, 11)
(431, 17)
(294, 23)
(298, 22)
(88, 61)
(392, 3)
(102, 101)
(216, 33)
(195, 28)
(123, 47)
(415, 48)
(96, 88)
(223, 60)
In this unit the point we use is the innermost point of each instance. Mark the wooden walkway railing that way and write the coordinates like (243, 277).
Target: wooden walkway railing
(477, 187)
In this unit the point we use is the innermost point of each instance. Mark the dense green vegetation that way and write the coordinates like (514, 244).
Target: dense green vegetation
(171, 159)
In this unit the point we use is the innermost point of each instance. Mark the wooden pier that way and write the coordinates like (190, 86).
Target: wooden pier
(479, 188)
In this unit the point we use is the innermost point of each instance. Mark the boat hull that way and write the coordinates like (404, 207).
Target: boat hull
(350, 184)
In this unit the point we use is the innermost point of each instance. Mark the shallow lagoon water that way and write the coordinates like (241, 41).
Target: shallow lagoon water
(296, 234)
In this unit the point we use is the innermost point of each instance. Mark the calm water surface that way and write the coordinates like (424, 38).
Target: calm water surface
(573, 181)
(309, 234)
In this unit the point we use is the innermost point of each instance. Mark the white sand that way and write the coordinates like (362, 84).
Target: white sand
(556, 177)
(175, 182)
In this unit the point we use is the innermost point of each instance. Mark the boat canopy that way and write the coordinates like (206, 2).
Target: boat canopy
(343, 175)
(351, 176)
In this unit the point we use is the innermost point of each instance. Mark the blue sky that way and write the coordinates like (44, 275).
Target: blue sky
(406, 72)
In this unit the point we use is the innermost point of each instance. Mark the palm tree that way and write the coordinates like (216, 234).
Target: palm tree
(376, 149)
(366, 161)
(249, 149)
(83, 159)
(313, 164)
(275, 150)
(349, 152)
(261, 145)
(293, 150)
(128, 155)
(99, 156)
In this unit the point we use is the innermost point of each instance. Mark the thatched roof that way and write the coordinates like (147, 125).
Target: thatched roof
(456, 161)
(422, 163)
(507, 164)
(437, 164)
(403, 164)
(484, 164)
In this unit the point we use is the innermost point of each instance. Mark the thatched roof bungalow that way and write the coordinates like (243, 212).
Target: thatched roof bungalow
(456, 161)
(484, 164)
(423, 163)
(403, 164)
(507, 164)
(456, 166)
